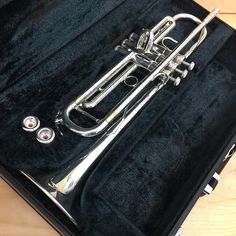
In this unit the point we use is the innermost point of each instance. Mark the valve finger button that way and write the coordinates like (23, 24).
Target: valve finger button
(176, 81)
(181, 59)
(190, 65)
(183, 73)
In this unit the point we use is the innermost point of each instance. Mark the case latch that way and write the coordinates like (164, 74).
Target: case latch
(212, 184)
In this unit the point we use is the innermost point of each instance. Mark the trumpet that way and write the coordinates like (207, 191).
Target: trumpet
(161, 64)
(147, 51)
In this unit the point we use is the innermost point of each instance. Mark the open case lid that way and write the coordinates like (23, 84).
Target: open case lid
(150, 178)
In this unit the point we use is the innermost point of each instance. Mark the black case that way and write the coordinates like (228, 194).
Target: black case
(151, 177)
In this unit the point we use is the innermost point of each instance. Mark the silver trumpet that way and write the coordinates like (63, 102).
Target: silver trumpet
(148, 51)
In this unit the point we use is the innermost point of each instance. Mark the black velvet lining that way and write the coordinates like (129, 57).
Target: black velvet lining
(57, 80)
(4, 2)
(41, 28)
(49, 57)
(168, 153)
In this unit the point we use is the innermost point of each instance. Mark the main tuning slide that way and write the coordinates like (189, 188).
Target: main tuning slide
(161, 64)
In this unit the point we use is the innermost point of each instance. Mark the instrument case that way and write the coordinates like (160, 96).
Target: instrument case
(151, 177)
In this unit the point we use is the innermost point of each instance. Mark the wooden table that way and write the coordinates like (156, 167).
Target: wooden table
(228, 9)
(213, 215)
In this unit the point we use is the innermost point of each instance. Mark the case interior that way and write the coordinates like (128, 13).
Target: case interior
(51, 51)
